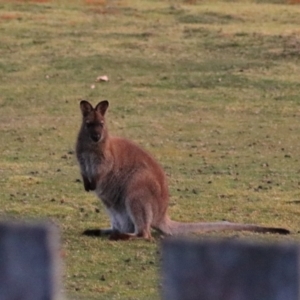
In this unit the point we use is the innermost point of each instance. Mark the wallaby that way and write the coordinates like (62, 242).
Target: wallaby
(131, 184)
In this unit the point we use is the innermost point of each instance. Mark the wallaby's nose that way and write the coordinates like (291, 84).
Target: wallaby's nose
(95, 137)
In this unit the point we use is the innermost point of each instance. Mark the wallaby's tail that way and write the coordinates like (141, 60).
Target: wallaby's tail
(178, 228)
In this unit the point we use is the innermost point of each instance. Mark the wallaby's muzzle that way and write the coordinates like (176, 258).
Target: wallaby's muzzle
(95, 137)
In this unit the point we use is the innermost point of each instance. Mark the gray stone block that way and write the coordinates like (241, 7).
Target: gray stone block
(229, 270)
(29, 262)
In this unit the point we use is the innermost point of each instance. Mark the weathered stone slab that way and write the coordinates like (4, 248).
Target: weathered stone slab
(229, 270)
(29, 262)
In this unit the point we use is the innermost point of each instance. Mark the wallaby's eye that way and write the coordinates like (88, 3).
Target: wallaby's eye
(88, 124)
(100, 124)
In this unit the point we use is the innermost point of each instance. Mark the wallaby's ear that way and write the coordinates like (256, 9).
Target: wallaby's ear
(102, 107)
(85, 107)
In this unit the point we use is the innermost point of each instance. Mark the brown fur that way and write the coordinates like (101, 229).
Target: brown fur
(131, 184)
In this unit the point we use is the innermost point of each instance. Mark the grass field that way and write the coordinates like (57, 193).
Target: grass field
(211, 88)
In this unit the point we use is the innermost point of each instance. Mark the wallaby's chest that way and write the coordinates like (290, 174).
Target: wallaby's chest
(89, 163)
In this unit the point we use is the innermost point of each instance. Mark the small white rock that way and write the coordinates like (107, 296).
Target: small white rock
(102, 78)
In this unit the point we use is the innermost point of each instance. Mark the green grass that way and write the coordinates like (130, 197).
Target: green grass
(210, 88)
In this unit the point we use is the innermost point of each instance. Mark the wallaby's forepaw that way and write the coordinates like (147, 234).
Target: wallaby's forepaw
(87, 189)
(88, 185)
(92, 186)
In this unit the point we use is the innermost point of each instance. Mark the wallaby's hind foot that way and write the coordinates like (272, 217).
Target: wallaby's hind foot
(98, 232)
(117, 236)
(113, 235)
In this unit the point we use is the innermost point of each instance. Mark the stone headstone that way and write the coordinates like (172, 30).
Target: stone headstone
(29, 262)
(228, 270)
